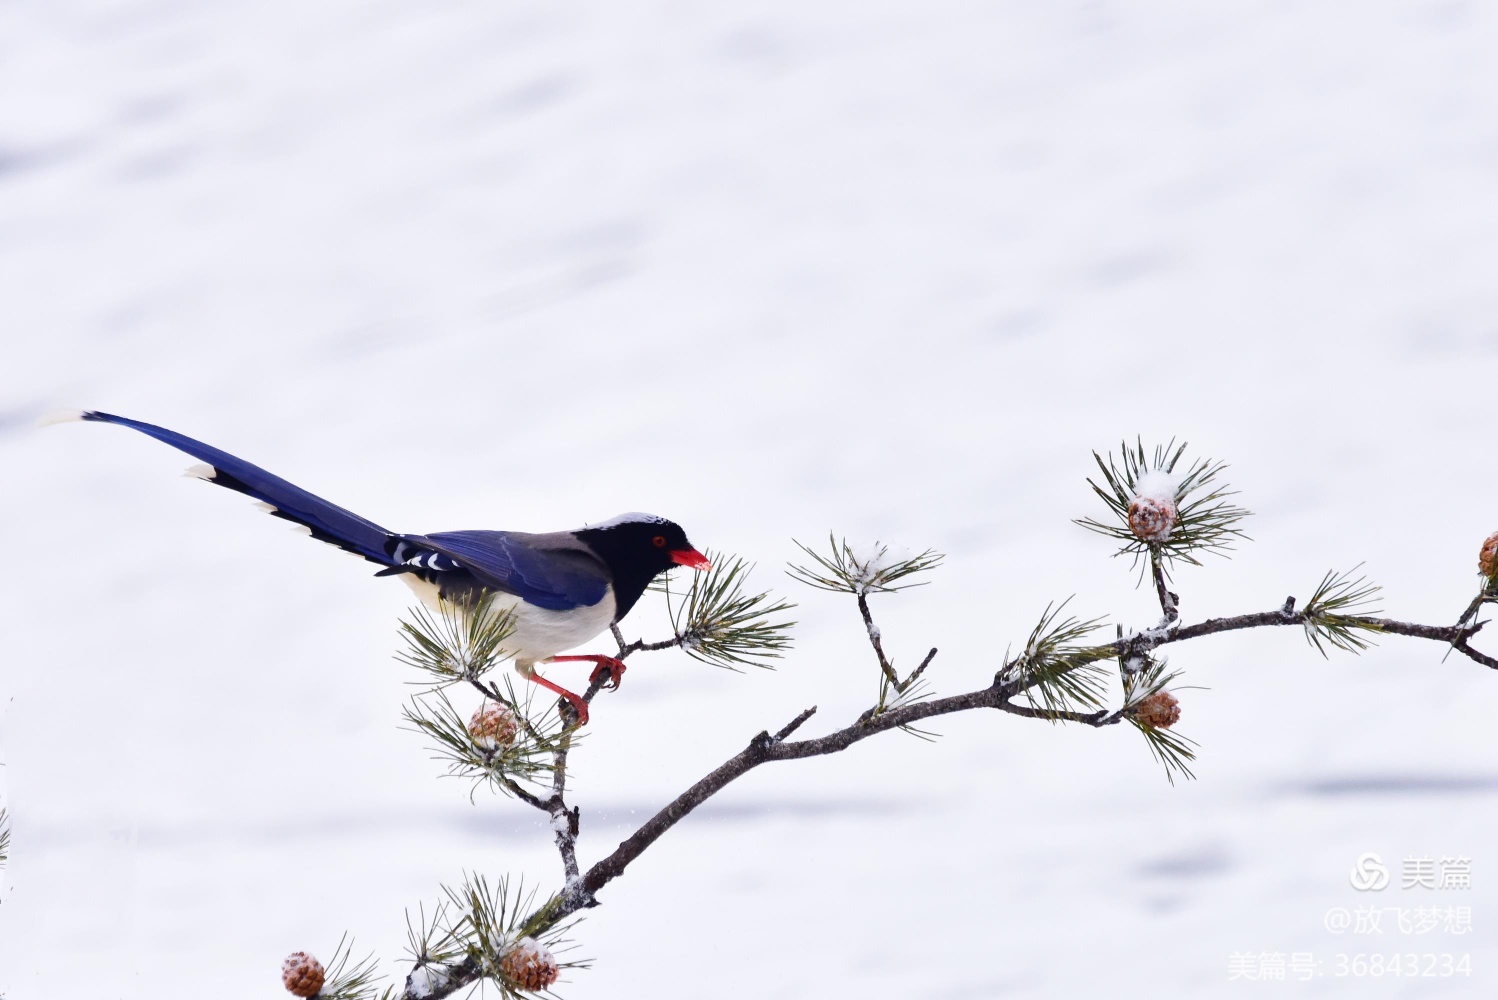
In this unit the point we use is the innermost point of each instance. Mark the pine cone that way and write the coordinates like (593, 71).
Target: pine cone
(529, 965)
(493, 726)
(1160, 710)
(1487, 560)
(302, 974)
(1151, 518)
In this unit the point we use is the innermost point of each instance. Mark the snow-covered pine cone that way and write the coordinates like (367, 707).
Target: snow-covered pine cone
(1152, 518)
(302, 974)
(1160, 710)
(1487, 559)
(529, 965)
(493, 726)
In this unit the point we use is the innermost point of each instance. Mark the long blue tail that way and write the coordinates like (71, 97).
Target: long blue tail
(327, 522)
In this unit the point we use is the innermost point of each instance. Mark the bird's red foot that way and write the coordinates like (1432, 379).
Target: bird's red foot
(606, 664)
(575, 700)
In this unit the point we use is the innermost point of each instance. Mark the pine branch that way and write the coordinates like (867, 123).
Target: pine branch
(765, 748)
(845, 570)
(4, 838)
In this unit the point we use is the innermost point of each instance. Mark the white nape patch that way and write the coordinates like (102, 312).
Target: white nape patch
(633, 517)
(268, 508)
(58, 417)
(202, 471)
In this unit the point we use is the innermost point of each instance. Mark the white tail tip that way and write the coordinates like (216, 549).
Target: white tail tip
(268, 508)
(201, 471)
(58, 417)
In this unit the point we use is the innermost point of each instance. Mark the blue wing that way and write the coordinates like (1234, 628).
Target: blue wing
(558, 579)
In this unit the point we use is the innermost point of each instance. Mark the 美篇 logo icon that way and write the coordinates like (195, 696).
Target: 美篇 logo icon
(1370, 874)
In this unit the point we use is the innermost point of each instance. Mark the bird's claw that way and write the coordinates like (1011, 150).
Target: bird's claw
(613, 669)
(580, 707)
(607, 665)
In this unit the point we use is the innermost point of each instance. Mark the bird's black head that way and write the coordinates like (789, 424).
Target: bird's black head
(637, 548)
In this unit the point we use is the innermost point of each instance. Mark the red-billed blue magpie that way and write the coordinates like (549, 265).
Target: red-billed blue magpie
(561, 588)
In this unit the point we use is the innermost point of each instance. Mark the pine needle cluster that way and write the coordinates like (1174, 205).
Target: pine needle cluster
(528, 760)
(351, 980)
(721, 623)
(844, 570)
(4, 838)
(1140, 682)
(462, 641)
(1054, 670)
(1334, 616)
(1205, 520)
(474, 927)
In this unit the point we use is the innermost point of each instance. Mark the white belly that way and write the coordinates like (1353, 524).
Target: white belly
(536, 632)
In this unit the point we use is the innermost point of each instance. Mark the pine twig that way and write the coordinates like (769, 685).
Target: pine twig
(794, 724)
(875, 571)
(1205, 521)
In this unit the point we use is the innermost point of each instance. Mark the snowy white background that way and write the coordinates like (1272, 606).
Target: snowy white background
(888, 268)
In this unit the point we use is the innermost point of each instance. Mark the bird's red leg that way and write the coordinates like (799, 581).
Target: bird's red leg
(614, 667)
(580, 706)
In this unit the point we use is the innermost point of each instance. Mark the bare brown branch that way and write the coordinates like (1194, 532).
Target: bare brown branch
(876, 639)
(1170, 604)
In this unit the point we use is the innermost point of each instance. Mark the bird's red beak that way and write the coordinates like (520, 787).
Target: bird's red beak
(690, 557)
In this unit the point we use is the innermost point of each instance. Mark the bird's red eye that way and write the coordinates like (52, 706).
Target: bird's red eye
(660, 541)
